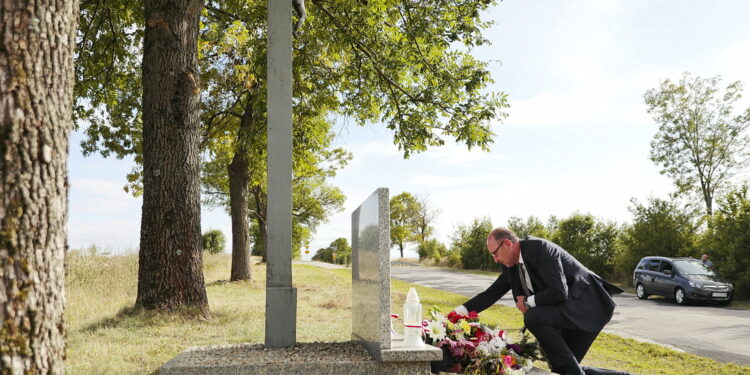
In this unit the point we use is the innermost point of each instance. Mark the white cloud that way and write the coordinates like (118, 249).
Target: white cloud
(733, 64)
(367, 151)
(445, 181)
(453, 154)
(100, 196)
(98, 187)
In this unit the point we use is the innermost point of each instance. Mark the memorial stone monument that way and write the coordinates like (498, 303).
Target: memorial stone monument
(371, 287)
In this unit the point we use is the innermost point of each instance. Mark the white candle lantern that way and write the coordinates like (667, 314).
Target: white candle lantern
(413, 320)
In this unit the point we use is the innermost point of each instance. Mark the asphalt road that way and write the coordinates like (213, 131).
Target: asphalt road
(720, 333)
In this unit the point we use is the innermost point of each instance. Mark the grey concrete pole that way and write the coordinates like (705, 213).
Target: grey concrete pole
(281, 297)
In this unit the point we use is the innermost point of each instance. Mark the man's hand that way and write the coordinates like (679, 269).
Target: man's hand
(520, 305)
(461, 310)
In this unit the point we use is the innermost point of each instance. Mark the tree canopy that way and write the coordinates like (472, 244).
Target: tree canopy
(701, 142)
(593, 242)
(660, 227)
(406, 64)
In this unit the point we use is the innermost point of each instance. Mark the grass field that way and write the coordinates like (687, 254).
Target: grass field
(106, 336)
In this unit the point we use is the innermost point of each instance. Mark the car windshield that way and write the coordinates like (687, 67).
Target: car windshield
(690, 267)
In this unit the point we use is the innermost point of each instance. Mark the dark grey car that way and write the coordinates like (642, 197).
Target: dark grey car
(684, 279)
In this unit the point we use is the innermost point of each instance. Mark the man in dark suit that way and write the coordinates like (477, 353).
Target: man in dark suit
(565, 305)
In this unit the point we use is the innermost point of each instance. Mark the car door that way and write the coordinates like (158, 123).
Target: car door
(649, 279)
(664, 281)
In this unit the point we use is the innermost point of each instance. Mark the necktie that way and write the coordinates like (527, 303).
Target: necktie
(522, 271)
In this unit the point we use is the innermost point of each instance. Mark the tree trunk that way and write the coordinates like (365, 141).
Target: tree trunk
(260, 217)
(239, 178)
(36, 102)
(170, 273)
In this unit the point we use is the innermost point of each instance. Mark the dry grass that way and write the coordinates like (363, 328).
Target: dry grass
(106, 336)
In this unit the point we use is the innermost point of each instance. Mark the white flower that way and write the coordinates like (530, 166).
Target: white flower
(498, 343)
(498, 333)
(435, 330)
(486, 349)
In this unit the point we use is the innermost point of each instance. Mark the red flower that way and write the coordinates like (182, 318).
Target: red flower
(480, 334)
(473, 315)
(455, 317)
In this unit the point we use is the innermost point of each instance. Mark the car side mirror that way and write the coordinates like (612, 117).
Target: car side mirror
(668, 272)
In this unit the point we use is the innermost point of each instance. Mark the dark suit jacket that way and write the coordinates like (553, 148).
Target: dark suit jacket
(558, 280)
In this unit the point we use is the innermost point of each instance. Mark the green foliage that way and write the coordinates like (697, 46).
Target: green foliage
(213, 241)
(592, 242)
(471, 242)
(701, 142)
(532, 227)
(338, 252)
(659, 227)
(324, 254)
(258, 247)
(108, 86)
(403, 208)
(432, 249)
(729, 239)
(453, 259)
(405, 64)
(411, 219)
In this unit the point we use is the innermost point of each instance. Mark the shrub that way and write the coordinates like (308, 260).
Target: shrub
(729, 240)
(432, 249)
(471, 242)
(659, 227)
(591, 241)
(338, 252)
(213, 241)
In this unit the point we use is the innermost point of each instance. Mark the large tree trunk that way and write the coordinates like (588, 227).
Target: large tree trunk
(239, 178)
(170, 273)
(36, 102)
(260, 216)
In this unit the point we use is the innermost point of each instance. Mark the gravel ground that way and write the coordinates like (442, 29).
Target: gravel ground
(302, 352)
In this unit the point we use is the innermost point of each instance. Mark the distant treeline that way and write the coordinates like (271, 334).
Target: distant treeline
(612, 250)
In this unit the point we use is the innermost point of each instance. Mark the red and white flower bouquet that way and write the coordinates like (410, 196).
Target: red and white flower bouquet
(473, 348)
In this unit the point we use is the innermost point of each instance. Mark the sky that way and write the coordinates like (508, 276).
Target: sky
(577, 138)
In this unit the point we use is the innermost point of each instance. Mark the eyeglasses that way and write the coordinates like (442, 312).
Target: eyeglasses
(494, 253)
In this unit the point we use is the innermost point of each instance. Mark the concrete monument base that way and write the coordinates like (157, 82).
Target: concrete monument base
(306, 358)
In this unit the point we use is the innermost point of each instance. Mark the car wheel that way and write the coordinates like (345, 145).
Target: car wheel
(680, 297)
(640, 292)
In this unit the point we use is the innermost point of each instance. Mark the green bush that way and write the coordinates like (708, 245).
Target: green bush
(532, 227)
(729, 240)
(213, 241)
(659, 227)
(471, 242)
(453, 259)
(591, 241)
(432, 249)
(338, 252)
